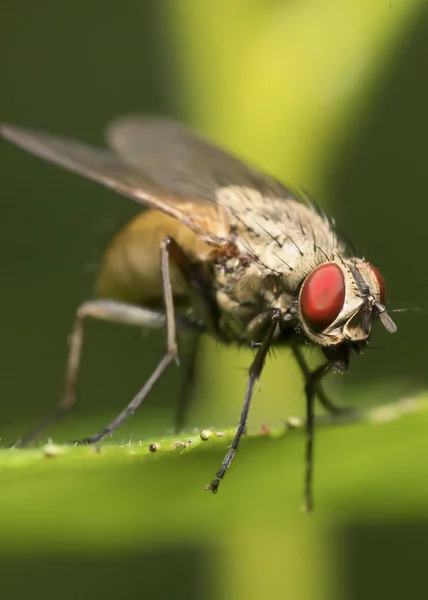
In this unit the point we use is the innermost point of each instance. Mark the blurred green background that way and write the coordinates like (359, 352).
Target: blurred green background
(331, 96)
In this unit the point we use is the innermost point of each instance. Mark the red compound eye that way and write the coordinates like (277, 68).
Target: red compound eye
(322, 296)
(381, 283)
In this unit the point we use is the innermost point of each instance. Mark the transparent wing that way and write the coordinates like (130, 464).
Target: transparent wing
(105, 167)
(162, 164)
(181, 162)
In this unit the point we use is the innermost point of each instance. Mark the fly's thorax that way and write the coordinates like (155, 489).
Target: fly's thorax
(278, 242)
(238, 296)
(338, 302)
(243, 292)
(286, 237)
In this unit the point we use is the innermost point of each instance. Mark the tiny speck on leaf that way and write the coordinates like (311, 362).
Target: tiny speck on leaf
(52, 450)
(293, 423)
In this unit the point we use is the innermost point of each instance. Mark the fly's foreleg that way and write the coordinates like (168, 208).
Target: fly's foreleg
(330, 406)
(311, 387)
(271, 321)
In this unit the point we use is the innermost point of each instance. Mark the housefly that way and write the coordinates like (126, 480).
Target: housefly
(222, 249)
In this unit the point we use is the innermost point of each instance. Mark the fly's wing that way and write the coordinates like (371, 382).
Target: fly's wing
(162, 164)
(182, 162)
(260, 209)
(106, 167)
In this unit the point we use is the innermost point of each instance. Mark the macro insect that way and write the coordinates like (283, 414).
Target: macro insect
(221, 248)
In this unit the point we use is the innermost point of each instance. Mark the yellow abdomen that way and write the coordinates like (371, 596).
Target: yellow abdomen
(130, 269)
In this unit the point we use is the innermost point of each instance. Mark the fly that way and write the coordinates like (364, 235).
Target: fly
(224, 249)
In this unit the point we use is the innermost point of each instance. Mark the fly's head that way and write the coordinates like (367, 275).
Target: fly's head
(338, 303)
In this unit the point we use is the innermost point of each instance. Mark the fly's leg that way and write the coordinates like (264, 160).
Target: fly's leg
(169, 250)
(185, 397)
(254, 374)
(199, 288)
(103, 310)
(330, 406)
(311, 387)
(113, 312)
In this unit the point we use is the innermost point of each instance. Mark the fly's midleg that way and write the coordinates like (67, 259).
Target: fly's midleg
(185, 397)
(311, 386)
(171, 354)
(103, 310)
(254, 374)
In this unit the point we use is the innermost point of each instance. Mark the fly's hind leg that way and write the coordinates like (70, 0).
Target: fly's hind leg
(102, 310)
(115, 312)
(169, 250)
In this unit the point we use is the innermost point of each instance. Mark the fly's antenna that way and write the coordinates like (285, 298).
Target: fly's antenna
(407, 309)
(385, 319)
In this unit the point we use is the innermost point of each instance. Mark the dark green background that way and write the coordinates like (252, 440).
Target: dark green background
(69, 68)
